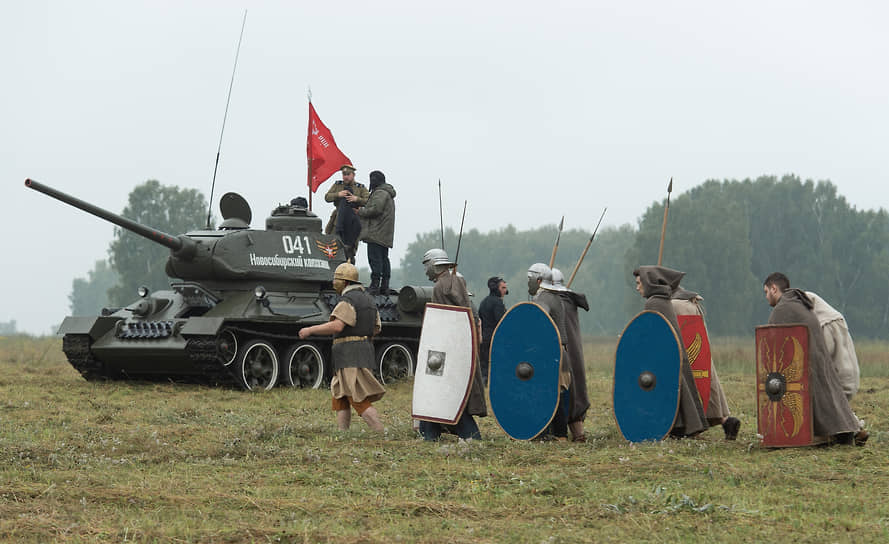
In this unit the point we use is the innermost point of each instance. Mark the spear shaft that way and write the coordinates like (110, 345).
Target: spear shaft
(460, 237)
(588, 244)
(552, 259)
(440, 214)
(660, 252)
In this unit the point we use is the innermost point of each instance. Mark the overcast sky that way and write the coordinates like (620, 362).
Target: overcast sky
(528, 110)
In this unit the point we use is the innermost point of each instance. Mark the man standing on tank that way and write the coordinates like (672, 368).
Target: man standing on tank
(347, 195)
(378, 231)
(353, 323)
(490, 312)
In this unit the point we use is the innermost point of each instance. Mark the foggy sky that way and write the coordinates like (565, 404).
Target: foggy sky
(529, 111)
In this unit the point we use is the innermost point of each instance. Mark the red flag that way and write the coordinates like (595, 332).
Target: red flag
(325, 158)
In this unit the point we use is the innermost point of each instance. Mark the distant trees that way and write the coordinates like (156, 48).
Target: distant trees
(726, 235)
(133, 260)
(89, 295)
(142, 262)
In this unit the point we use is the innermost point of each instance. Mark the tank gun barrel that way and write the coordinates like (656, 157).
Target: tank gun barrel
(181, 246)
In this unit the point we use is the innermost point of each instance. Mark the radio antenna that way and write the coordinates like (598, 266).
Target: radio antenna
(224, 117)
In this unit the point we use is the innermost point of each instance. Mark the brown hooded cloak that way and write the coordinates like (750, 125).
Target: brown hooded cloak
(580, 401)
(689, 303)
(830, 409)
(657, 282)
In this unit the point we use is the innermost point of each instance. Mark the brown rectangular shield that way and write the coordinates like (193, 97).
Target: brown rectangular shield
(783, 397)
(697, 346)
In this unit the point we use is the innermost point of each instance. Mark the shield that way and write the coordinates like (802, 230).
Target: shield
(784, 407)
(445, 364)
(646, 378)
(524, 376)
(697, 345)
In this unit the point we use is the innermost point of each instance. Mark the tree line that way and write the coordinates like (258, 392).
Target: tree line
(726, 235)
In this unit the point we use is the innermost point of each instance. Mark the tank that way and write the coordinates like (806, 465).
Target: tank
(237, 300)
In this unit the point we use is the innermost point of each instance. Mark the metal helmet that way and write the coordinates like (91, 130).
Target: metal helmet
(346, 271)
(436, 256)
(540, 271)
(558, 280)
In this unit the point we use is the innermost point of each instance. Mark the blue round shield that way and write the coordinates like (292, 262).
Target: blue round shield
(524, 374)
(646, 378)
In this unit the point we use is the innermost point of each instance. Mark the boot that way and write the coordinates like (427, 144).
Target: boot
(374, 287)
(384, 288)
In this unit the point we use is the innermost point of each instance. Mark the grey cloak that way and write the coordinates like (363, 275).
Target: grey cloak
(656, 288)
(580, 401)
(451, 289)
(830, 408)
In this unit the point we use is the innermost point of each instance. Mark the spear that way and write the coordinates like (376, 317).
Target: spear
(552, 259)
(588, 244)
(440, 214)
(660, 252)
(460, 237)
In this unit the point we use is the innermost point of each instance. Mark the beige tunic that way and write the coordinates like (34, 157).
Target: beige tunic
(356, 383)
(717, 408)
(840, 348)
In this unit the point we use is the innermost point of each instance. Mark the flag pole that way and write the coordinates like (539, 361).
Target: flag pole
(309, 159)
(660, 252)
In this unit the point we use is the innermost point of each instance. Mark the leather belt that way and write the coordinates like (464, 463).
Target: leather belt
(342, 339)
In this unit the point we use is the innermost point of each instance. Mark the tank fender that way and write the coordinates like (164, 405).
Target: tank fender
(202, 325)
(94, 326)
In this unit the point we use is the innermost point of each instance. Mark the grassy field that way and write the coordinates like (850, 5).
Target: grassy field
(122, 462)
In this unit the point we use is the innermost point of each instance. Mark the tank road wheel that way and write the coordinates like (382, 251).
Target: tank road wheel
(227, 347)
(394, 362)
(304, 366)
(257, 366)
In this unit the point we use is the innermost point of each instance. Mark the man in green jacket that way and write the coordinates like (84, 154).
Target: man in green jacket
(347, 195)
(378, 231)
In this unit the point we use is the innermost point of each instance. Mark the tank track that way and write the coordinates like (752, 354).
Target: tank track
(203, 352)
(77, 349)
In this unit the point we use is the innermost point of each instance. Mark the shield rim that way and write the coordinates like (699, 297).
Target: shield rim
(488, 389)
(679, 348)
(474, 344)
(814, 440)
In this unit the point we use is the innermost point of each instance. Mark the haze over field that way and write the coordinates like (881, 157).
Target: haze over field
(529, 113)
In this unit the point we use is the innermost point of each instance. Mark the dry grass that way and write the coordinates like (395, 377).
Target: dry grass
(146, 462)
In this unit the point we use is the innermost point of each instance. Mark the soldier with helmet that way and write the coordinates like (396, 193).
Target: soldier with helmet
(353, 323)
(450, 288)
(545, 294)
(579, 401)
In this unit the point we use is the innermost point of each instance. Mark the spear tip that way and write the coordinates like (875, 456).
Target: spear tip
(670, 186)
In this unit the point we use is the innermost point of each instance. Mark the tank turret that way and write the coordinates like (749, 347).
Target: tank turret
(235, 311)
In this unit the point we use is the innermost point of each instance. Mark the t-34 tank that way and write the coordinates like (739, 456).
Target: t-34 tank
(235, 309)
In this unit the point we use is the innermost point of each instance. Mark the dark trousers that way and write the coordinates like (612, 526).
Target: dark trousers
(559, 425)
(466, 427)
(378, 258)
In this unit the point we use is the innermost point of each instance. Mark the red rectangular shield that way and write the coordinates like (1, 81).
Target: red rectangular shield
(783, 397)
(697, 345)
